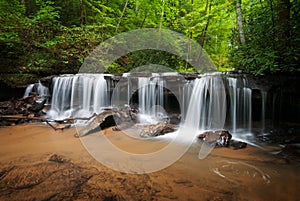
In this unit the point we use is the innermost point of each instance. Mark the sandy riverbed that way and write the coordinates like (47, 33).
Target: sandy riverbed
(38, 163)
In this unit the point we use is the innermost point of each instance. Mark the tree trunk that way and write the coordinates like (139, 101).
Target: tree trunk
(82, 13)
(124, 9)
(239, 18)
(283, 23)
(202, 37)
(162, 14)
(204, 30)
(30, 7)
(190, 36)
(273, 24)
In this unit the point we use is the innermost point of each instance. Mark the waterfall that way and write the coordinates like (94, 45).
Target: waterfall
(122, 93)
(78, 96)
(240, 99)
(28, 90)
(151, 99)
(263, 110)
(218, 102)
(42, 90)
(185, 92)
(206, 101)
(39, 89)
(233, 101)
(207, 105)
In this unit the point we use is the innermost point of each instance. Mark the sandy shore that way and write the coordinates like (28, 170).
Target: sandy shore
(38, 163)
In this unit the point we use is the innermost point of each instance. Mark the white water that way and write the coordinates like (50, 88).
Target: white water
(240, 99)
(151, 99)
(209, 102)
(78, 96)
(263, 110)
(185, 92)
(39, 89)
(28, 90)
(207, 105)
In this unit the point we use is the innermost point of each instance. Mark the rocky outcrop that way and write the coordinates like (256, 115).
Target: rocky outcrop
(96, 122)
(17, 111)
(158, 129)
(221, 138)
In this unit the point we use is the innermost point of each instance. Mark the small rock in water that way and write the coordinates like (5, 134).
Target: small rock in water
(219, 137)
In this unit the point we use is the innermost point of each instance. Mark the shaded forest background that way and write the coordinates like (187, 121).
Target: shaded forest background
(40, 38)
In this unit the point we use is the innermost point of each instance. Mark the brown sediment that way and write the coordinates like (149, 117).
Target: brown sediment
(38, 163)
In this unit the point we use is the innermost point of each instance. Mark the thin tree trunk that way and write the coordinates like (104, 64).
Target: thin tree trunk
(273, 23)
(137, 4)
(239, 17)
(204, 30)
(30, 7)
(120, 20)
(283, 22)
(162, 14)
(272, 12)
(82, 13)
(143, 22)
(190, 36)
(202, 37)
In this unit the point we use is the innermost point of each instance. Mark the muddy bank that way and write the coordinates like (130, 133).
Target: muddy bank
(38, 163)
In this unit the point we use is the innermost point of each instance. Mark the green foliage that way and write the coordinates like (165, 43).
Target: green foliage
(45, 37)
(266, 51)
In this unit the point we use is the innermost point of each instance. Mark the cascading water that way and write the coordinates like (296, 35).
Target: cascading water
(185, 92)
(240, 104)
(151, 99)
(207, 105)
(209, 101)
(263, 110)
(39, 89)
(78, 96)
(221, 102)
(28, 90)
(121, 92)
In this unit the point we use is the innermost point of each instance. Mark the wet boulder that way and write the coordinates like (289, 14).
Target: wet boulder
(157, 129)
(218, 137)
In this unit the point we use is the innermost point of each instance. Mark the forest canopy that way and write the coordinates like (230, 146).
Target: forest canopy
(39, 37)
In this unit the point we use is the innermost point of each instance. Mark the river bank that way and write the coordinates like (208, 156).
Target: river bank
(38, 163)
